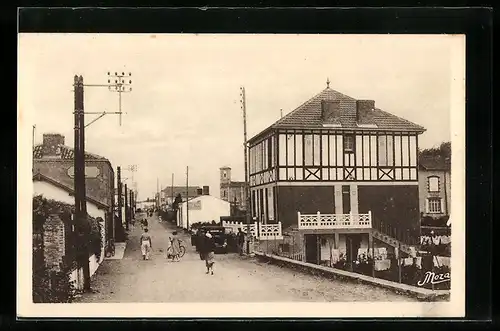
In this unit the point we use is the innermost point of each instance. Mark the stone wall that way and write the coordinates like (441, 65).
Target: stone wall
(54, 242)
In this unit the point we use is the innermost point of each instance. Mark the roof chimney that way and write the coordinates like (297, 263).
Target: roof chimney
(51, 143)
(363, 111)
(330, 111)
(206, 190)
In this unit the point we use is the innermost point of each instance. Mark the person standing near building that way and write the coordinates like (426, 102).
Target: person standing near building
(146, 244)
(209, 248)
(241, 241)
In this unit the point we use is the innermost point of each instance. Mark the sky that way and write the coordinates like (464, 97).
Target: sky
(184, 108)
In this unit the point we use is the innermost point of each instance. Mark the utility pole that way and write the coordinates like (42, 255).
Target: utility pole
(79, 184)
(120, 191)
(187, 197)
(113, 221)
(247, 185)
(131, 204)
(133, 169)
(157, 193)
(33, 136)
(120, 85)
(172, 192)
(33, 147)
(127, 208)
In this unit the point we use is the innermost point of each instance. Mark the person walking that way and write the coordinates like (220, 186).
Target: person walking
(200, 244)
(146, 245)
(209, 249)
(175, 244)
(241, 241)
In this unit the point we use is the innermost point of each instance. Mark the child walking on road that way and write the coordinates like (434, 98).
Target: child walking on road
(146, 245)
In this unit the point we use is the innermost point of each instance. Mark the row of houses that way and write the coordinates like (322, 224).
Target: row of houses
(53, 178)
(341, 169)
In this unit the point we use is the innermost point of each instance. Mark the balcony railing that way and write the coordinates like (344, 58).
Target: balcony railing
(334, 221)
(266, 231)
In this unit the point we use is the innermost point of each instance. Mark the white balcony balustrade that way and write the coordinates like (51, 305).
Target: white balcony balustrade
(266, 231)
(320, 221)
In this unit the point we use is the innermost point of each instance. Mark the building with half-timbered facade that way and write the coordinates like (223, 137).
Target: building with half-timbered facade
(338, 169)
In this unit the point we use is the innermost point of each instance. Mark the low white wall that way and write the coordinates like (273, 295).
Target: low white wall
(77, 274)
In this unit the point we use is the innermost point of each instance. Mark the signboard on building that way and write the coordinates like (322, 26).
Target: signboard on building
(194, 205)
(90, 172)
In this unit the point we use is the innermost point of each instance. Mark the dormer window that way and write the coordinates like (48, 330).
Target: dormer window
(349, 144)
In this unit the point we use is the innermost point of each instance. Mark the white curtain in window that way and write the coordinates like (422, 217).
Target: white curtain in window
(298, 150)
(282, 149)
(317, 150)
(359, 151)
(404, 147)
(390, 152)
(433, 184)
(413, 151)
(324, 150)
(382, 151)
(308, 149)
(291, 149)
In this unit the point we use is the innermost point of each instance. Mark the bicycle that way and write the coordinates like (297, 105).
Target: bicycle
(182, 251)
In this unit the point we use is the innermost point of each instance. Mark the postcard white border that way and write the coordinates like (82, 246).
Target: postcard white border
(454, 308)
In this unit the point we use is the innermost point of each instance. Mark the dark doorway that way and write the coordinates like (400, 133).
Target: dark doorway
(312, 253)
(346, 199)
(353, 243)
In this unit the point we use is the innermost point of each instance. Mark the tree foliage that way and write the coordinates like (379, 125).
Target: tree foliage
(443, 150)
(55, 286)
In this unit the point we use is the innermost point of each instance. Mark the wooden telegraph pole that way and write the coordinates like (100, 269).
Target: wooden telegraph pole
(79, 183)
(120, 191)
(172, 192)
(132, 204)
(127, 209)
(247, 184)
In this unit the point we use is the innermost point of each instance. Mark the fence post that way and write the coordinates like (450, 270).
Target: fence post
(298, 219)
(318, 218)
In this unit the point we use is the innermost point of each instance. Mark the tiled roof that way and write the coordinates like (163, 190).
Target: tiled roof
(40, 177)
(434, 162)
(308, 115)
(192, 191)
(67, 153)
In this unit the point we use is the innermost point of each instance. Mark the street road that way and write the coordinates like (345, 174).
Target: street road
(236, 279)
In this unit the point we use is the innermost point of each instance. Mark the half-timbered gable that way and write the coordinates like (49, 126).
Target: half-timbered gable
(332, 155)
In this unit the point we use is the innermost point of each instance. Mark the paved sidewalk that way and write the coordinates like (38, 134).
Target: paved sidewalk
(119, 251)
(236, 279)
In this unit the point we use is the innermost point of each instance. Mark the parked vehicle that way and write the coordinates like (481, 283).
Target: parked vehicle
(224, 242)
